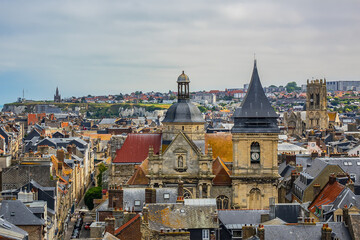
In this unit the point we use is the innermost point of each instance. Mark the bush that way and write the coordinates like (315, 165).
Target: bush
(90, 195)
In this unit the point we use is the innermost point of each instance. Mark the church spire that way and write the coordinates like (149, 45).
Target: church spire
(256, 110)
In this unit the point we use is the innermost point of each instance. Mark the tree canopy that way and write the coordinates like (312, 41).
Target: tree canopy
(291, 87)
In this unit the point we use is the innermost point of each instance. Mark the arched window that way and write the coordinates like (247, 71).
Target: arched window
(311, 100)
(180, 161)
(187, 194)
(255, 199)
(255, 152)
(222, 202)
(317, 100)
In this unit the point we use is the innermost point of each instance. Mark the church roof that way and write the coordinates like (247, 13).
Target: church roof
(136, 147)
(255, 103)
(183, 112)
(221, 144)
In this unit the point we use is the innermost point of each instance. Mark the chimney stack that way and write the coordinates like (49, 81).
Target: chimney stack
(261, 232)
(60, 155)
(116, 195)
(110, 225)
(326, 232)
(248, 231)
(316, 189)
(332, 179)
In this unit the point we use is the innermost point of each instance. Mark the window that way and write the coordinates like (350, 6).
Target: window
(353, 176)
(350, 163)
(183, 128)
(137, 203)
(255, 152)
(222, 202)
(237, 234)
(205, 234)
(345, 163)
(339, 218)
(166, 196)
(358, 163)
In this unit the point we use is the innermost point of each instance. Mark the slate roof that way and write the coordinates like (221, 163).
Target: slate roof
(9, 230)
(164, 216)
(241, 216)
(255, 103)
(18, 214)
(299, 231)
(183, 112)
(256, 113)
(352, 168)
(136, 147)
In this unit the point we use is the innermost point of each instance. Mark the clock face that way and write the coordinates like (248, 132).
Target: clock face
(255, 156)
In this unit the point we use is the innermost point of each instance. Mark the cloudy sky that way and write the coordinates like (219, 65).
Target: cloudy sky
(108, 47)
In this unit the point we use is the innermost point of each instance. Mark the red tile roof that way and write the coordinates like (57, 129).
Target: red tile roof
(117, 231)
(136, 147)
(222, 173)
(327, 195)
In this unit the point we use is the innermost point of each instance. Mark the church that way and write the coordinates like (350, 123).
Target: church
(239, 169)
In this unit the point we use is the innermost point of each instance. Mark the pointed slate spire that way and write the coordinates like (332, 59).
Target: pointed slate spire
(255, 103)
(256, 113)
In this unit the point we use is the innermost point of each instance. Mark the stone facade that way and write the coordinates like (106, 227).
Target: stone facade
(316, 105)
(294, 124)
(254, 183)
(182, 160)
(195, 131)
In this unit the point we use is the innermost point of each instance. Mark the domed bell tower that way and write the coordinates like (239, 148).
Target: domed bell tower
(183, 115)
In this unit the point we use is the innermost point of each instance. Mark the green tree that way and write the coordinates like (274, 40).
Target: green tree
(202, 109)
(102, 168)
(292, 86)
(90, 195)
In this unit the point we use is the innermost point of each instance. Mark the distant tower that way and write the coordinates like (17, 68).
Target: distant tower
(57, 96)
(316, 109)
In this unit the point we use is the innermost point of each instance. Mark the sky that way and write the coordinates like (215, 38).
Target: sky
(107, 47)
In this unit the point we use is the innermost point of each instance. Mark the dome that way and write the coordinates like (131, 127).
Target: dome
(183, 112)
(183, 78)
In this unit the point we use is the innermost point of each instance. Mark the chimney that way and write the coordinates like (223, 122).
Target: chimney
(326, 232)
(316, 189)
(261, 232)
(332, 179)
(116, 195)
(180, 198)
(110, 225)
(150, 195)
(146, 215)
(346, 217)
(350, 185)
(299, 168)
(248, 231)
(60, 155)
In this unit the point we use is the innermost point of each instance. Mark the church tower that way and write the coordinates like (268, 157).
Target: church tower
(183, 116)
(57, 97)
(255, 140)
(316, 105)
